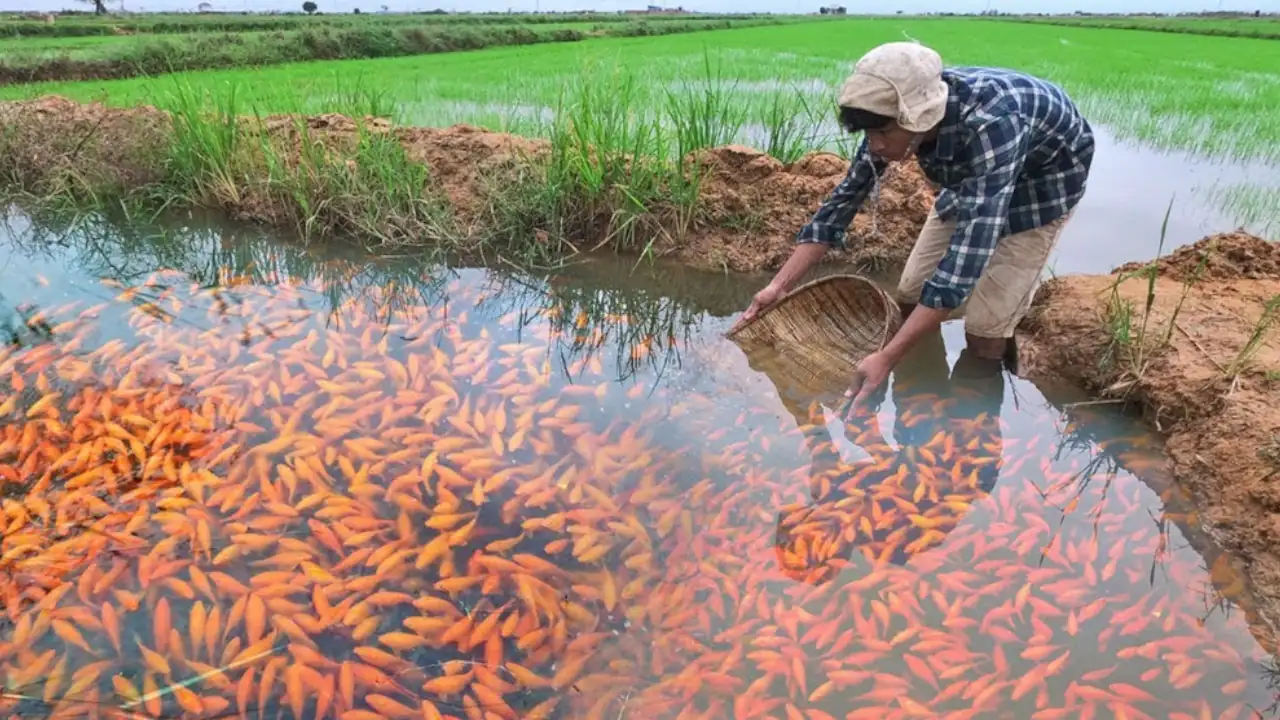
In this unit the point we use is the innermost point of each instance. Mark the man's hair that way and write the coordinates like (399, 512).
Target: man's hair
(854, 120)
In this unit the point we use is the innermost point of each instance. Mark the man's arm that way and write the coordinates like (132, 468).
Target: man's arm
(830, 223)
(982, 207)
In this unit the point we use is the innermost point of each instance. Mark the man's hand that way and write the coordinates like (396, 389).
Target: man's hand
(872, 372)
(762, 301)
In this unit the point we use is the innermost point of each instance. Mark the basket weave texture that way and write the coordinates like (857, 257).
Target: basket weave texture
(812, 340)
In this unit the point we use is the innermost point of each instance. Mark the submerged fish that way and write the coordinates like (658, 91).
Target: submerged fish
(422, 519)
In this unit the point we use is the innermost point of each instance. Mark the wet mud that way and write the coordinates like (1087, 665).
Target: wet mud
(750, 205)
(1208, 380)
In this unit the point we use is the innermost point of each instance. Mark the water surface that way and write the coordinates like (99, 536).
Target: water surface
(1132, 187)
(245, 478)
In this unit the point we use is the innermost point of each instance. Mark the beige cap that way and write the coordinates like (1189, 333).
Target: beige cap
(901, 80)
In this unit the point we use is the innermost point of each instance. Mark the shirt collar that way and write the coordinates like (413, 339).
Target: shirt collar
(949, 133)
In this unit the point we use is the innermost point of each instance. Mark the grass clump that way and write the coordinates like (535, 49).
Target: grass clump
(612, 173)
(374, 190)
(278, 169)
(1134, 340)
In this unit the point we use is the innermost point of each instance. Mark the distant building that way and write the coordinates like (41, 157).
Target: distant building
(658, 10)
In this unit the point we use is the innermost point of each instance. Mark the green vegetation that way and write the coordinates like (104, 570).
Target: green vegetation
(81, 58)
(1167, 90)
(1254, 205)
(1263, 26)
(609, 175)
(1134, 340)
(87, 25)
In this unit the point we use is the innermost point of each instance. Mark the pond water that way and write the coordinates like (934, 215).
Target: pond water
(244, 479)
(1132, 186)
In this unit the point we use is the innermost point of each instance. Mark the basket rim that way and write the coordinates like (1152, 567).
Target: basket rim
(889, 304)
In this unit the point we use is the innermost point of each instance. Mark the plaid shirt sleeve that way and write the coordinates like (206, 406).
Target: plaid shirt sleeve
(982, 208)
(831, 221)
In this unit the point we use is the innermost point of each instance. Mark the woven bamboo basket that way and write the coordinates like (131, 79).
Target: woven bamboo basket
(810, 342)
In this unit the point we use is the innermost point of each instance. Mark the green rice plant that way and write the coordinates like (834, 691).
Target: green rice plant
(788, 121)
(203, 145)
(608, 161)
(1244, 359)
(1192, 280)
(369, 189)
(705, 114)
(846, 143)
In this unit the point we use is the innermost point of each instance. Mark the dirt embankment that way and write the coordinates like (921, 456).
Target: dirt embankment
(1209, 377)
(749, 210)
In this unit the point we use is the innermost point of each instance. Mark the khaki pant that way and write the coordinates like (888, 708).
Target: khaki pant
(1003, 293)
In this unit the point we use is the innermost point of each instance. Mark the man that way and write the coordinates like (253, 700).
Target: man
(1011, 154)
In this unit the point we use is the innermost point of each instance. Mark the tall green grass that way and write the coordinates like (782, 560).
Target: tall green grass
(227, 156)
(614, 173)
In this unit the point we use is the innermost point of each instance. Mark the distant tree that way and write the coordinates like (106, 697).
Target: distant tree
(356, 11)
(99, 6)
(309, 7)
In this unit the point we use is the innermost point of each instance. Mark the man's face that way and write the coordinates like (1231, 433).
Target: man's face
(890, 142)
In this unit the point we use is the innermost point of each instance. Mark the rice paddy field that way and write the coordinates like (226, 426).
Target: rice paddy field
(93, 48)
(242, 475)
(1240, 25)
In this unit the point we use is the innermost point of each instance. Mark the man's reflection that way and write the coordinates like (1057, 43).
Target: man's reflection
(901, 500)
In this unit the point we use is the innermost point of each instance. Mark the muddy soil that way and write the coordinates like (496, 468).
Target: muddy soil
(751, 205)
(1223, 428)
(755, 205)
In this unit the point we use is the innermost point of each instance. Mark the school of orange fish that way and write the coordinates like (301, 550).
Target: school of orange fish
(422, 518)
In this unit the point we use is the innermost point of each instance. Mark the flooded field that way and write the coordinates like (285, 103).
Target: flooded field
(244, 480)
(1132, 186)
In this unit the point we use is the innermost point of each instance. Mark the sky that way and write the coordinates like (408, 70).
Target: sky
(777, 6)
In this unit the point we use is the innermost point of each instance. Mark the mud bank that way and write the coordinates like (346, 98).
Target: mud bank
(481, 190)
(1206, 373)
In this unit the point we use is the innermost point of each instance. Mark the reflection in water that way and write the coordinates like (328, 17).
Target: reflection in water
(238, 479)
(894, 504)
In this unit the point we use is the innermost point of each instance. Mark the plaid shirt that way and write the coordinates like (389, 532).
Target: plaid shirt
(1012, 154)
